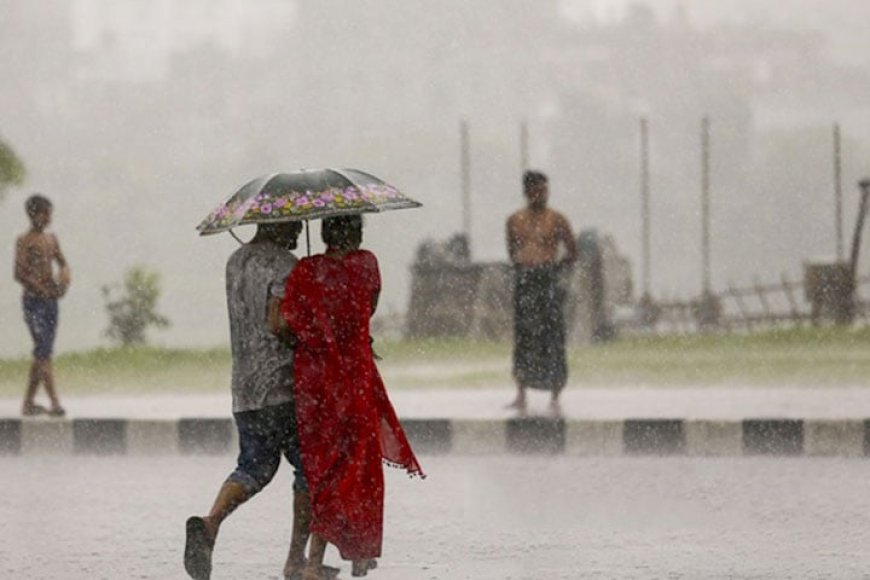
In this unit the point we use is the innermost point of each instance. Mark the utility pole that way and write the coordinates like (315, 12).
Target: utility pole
(838, 192)
(645, 205)
(705, 204)
(465, 161)
(524, 146)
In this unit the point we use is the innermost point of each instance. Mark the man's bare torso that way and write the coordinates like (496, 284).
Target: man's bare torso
(34, 257)
(534, 236)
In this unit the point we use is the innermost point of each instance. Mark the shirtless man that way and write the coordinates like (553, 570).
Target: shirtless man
(36, 253)
(539, 242)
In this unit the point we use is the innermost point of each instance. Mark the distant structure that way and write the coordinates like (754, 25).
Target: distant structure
(451, 296)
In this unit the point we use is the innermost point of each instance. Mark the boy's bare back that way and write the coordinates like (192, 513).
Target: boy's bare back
(35, 255)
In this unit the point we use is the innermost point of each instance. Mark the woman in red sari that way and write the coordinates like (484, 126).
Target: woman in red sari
(347, 425)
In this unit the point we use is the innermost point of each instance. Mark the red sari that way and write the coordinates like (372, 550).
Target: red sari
(346, 423)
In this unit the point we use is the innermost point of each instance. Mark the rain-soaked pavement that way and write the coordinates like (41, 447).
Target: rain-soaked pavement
(504, 518)
(731, 403)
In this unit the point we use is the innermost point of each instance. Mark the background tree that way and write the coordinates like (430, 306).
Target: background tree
(12, 171)
(132, 308)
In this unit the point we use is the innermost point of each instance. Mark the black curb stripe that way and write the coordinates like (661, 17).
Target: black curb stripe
(210, 436)
(10, 436)
(866, 437)
(429, 435)
(436, 436)
(102, 436)
(654, 436)
(773, 437)
(535, 435)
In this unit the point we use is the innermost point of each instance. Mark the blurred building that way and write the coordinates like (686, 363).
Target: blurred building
(453, 296)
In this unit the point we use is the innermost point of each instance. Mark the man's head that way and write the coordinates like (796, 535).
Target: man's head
(38, 208)
(342, 232)
(536, 188)
(284, 234)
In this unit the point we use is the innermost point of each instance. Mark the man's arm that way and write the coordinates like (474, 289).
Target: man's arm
(277, 324)
(58, 255)
(64, 281)
(567, 238)
(273, 316)
(513, 240)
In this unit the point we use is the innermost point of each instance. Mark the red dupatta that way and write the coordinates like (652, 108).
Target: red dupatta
(346, 423)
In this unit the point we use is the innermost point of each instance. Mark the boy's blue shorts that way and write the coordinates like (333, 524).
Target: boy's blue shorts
(264, 436)
(40, 314)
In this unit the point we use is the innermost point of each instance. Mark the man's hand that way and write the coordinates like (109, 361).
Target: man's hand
(63, 282)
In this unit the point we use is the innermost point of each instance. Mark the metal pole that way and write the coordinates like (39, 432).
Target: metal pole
(524, 146)
(705, 202)
(864, 184)
(645, 204)
(465, 146)
(838, 191)
(307, 240)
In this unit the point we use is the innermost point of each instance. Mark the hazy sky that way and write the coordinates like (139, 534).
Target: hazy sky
(130, 194)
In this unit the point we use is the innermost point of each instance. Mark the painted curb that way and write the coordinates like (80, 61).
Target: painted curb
(533, 435)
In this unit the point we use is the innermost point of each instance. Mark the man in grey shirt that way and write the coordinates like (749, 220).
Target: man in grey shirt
(262, 388)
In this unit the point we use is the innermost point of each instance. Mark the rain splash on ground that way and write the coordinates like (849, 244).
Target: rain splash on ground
(499, 518)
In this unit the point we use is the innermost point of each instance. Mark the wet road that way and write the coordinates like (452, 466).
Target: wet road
(502, 518)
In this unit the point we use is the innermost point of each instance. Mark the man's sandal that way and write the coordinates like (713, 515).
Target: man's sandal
(326, 573)
(198, 549)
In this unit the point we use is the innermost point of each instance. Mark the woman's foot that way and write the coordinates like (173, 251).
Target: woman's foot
(362, 567)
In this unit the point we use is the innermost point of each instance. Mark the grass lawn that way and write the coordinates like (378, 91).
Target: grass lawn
(795, 357)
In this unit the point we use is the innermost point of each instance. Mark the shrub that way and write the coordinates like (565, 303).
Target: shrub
(132, 309)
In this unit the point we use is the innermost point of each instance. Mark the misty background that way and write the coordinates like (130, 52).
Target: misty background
(137, 117)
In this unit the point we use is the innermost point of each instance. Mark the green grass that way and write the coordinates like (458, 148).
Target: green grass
(796, 357)
(128, 369)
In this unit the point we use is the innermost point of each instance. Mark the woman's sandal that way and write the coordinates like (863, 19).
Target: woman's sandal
(362, 567)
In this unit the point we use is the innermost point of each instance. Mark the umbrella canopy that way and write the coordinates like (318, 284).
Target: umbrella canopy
(304, 195)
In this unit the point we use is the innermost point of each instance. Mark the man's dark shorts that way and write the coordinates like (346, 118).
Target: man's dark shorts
(40, 314)
(264, 436)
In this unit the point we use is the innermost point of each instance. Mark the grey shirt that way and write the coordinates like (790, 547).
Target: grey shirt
(262, 364)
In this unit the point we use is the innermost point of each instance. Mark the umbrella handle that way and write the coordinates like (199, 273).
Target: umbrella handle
(238, 239)
(307, 240)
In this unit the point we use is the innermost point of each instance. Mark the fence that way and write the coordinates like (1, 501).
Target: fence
(760, 306)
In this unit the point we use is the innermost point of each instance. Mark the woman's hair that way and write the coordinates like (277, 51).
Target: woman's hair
(36, 204)
(343, 231)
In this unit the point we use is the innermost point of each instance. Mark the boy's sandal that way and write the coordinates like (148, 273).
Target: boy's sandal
(57, 412)
(34, 410)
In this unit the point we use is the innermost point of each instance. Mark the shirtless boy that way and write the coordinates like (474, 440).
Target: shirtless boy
(36, 253)
(536, 235)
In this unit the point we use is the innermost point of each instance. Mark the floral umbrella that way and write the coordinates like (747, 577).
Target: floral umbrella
(304, 195)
